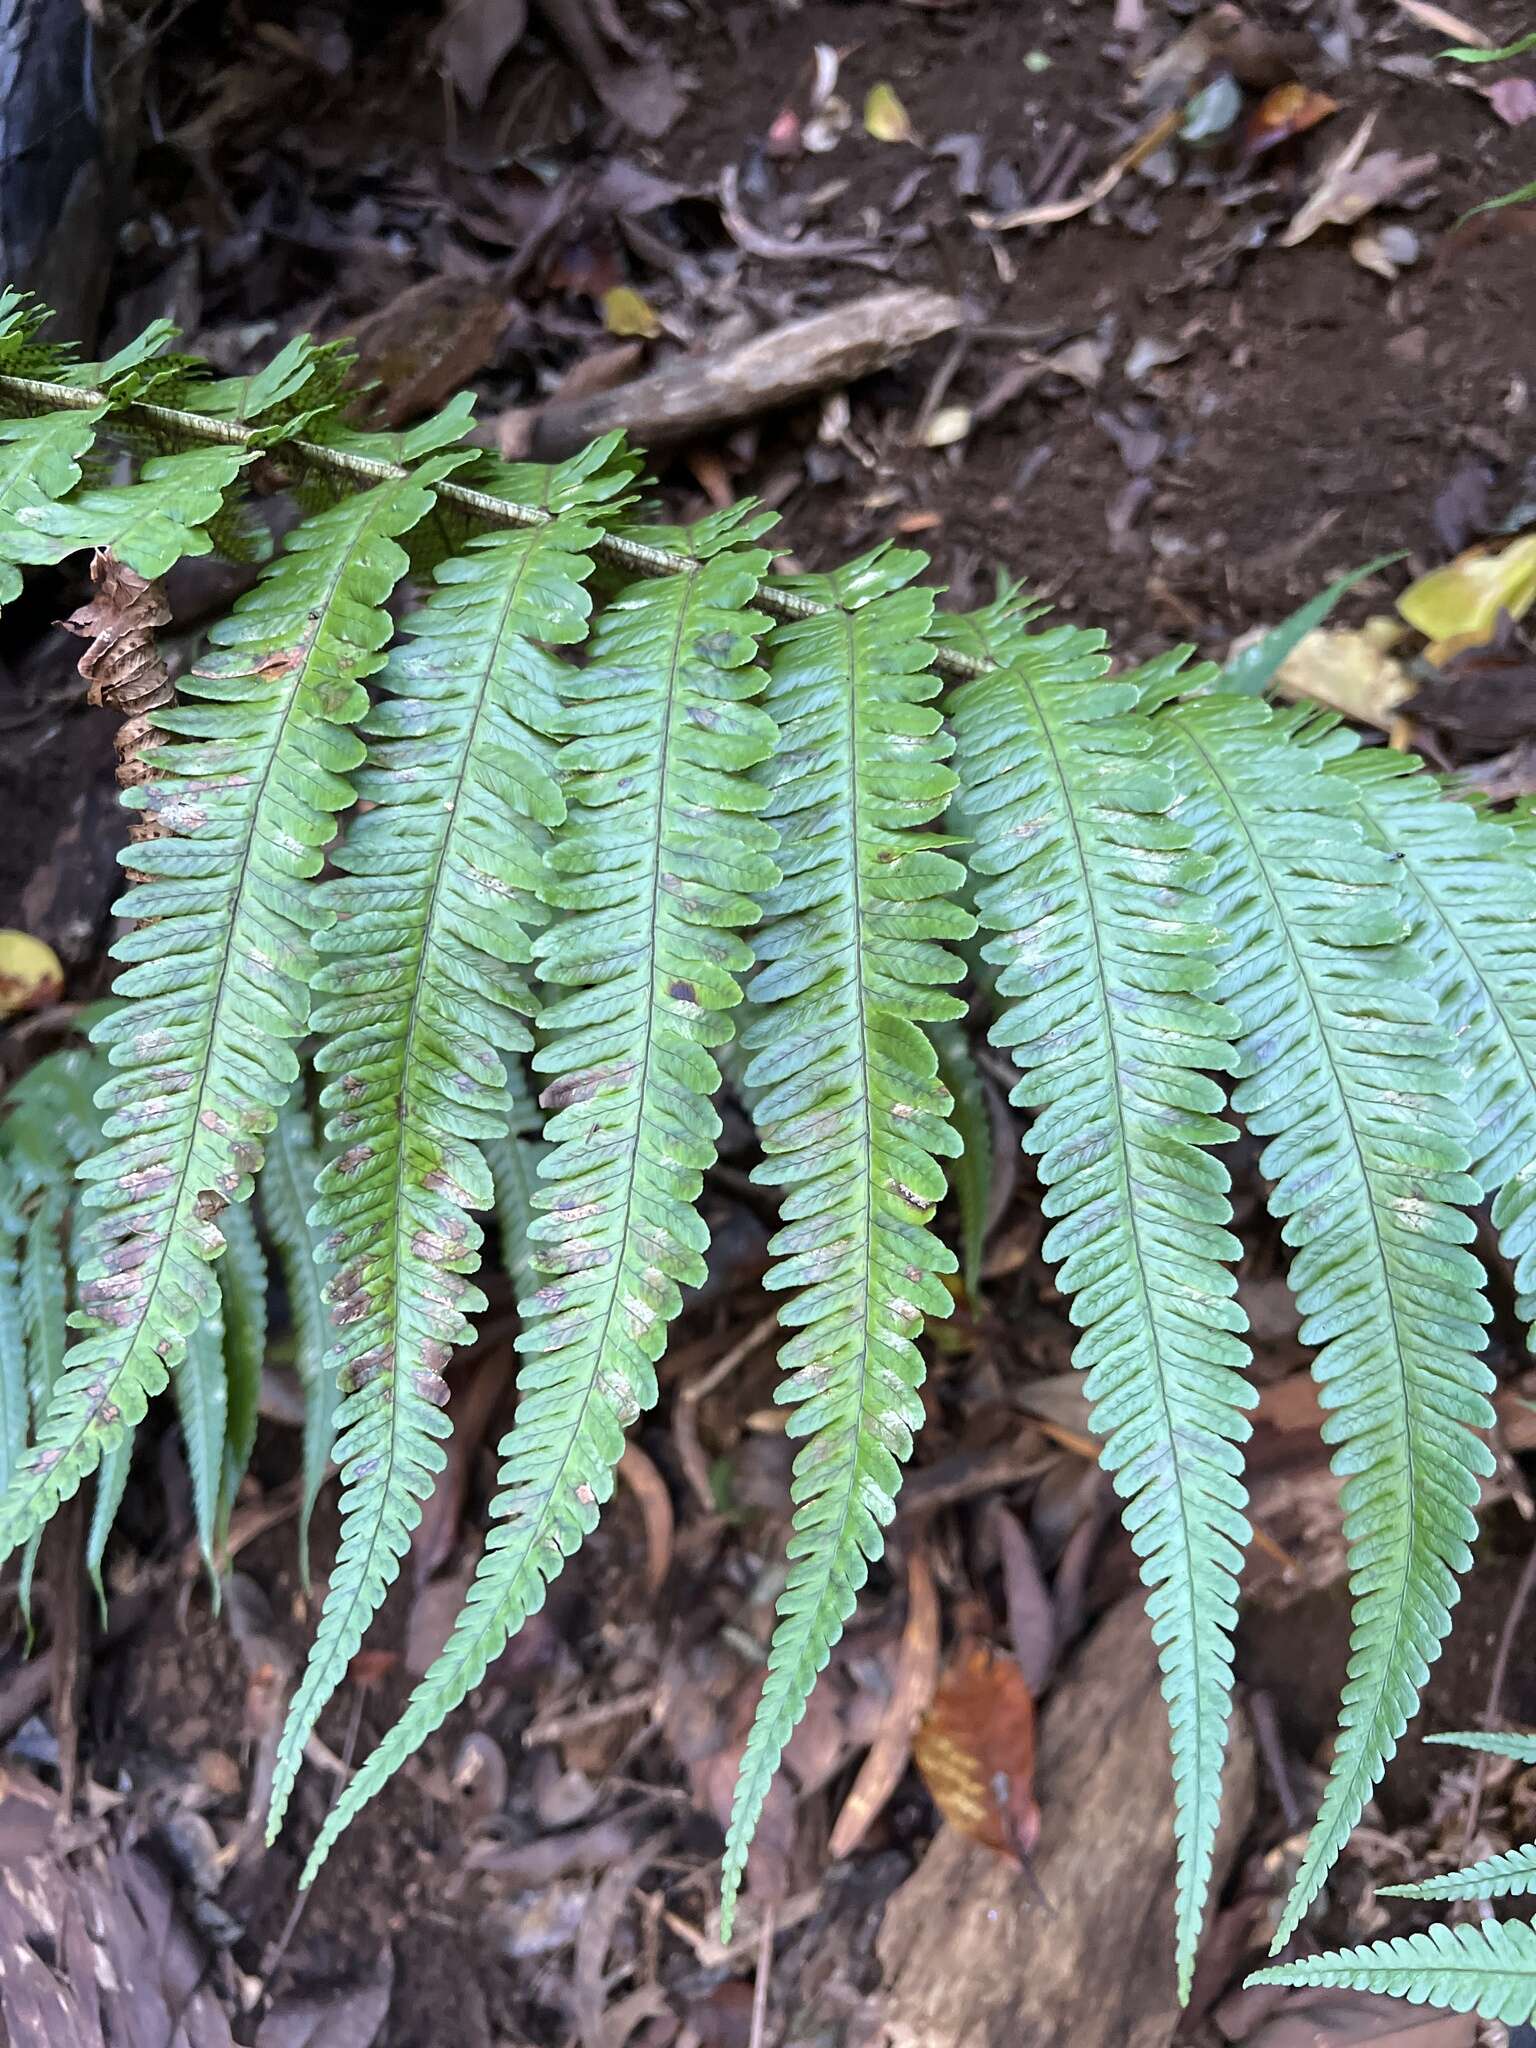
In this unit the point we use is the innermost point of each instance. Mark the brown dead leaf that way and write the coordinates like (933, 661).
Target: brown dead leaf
(1289, 110)
(1353, 184)
(351, 2017)
(916, 1677)
(426, 345)
(640, 1475)
(475, 39)
(1513, 100)
(976, 1750)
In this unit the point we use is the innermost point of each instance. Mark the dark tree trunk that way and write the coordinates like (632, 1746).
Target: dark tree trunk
(58, 159)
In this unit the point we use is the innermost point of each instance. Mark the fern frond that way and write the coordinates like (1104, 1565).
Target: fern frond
(1488, 1969)
(421, 991)
(1471, 904)
(111, 1485)
(971, 1175)
(1346, 1070)
(150, 524)
(202, 1405)
(658, 865)
(243, 1309)
(1521, 1749)
(1102, 952)
(39, 464)
(514, 1163)
(15, 1407)
(846, 1097)
(216, 982)
(1510, 1875)
(287, 1195)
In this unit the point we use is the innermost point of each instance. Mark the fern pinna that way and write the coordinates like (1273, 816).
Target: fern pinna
(495, 900)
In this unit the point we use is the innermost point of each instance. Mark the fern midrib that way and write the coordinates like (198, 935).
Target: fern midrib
(1117, 1097)
(1278, 922)
(404, 1125)
(469, 1644)
(813, 1627)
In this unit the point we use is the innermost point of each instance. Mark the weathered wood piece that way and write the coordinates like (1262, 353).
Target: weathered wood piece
(697, 393)
(972, 1959)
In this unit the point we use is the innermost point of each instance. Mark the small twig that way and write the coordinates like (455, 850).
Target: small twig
(760, 1982)
(558, 1727)
(1494, 1709)
(685, 1421)
(1266, 1728)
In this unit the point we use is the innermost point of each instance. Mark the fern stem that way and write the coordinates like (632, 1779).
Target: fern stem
(623, 550)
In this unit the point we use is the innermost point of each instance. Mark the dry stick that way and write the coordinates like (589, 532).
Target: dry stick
(621, 549)
(760, 1981)
(686, 1421)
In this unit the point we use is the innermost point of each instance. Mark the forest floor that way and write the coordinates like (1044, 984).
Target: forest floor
(1173, 419)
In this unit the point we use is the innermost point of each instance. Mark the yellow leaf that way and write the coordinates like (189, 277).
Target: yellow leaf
(1458, 606)
(1351, 672)
(885, 117)
(30, 974)
(626, 313)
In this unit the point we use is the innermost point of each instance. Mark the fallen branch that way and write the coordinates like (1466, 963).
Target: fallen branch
(697, 393)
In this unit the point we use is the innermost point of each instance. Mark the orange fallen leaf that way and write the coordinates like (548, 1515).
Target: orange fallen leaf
(1289, 110)
(976, 1750)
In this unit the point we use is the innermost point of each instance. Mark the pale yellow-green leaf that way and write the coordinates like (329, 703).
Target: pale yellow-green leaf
(1458, 606)
(30, 973)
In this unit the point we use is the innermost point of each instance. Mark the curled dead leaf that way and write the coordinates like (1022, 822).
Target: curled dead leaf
(1353, 672)
(1353, 184)
(1291, 109)
(976, 1750)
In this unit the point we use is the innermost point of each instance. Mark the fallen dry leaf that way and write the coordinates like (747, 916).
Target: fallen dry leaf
(1289, 110)
(916, 1676)
(885, 118)
(1513, 100)
(475, 39)
(1151, 138)
(30, 974)
(1458, 606)
(976, 1750)
(626, 312)
(1351, 671)
(1387, 251)
(1353, 185)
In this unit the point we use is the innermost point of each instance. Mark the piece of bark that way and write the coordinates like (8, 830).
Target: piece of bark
(68, 114)
(972, 1959)
(696, 393)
